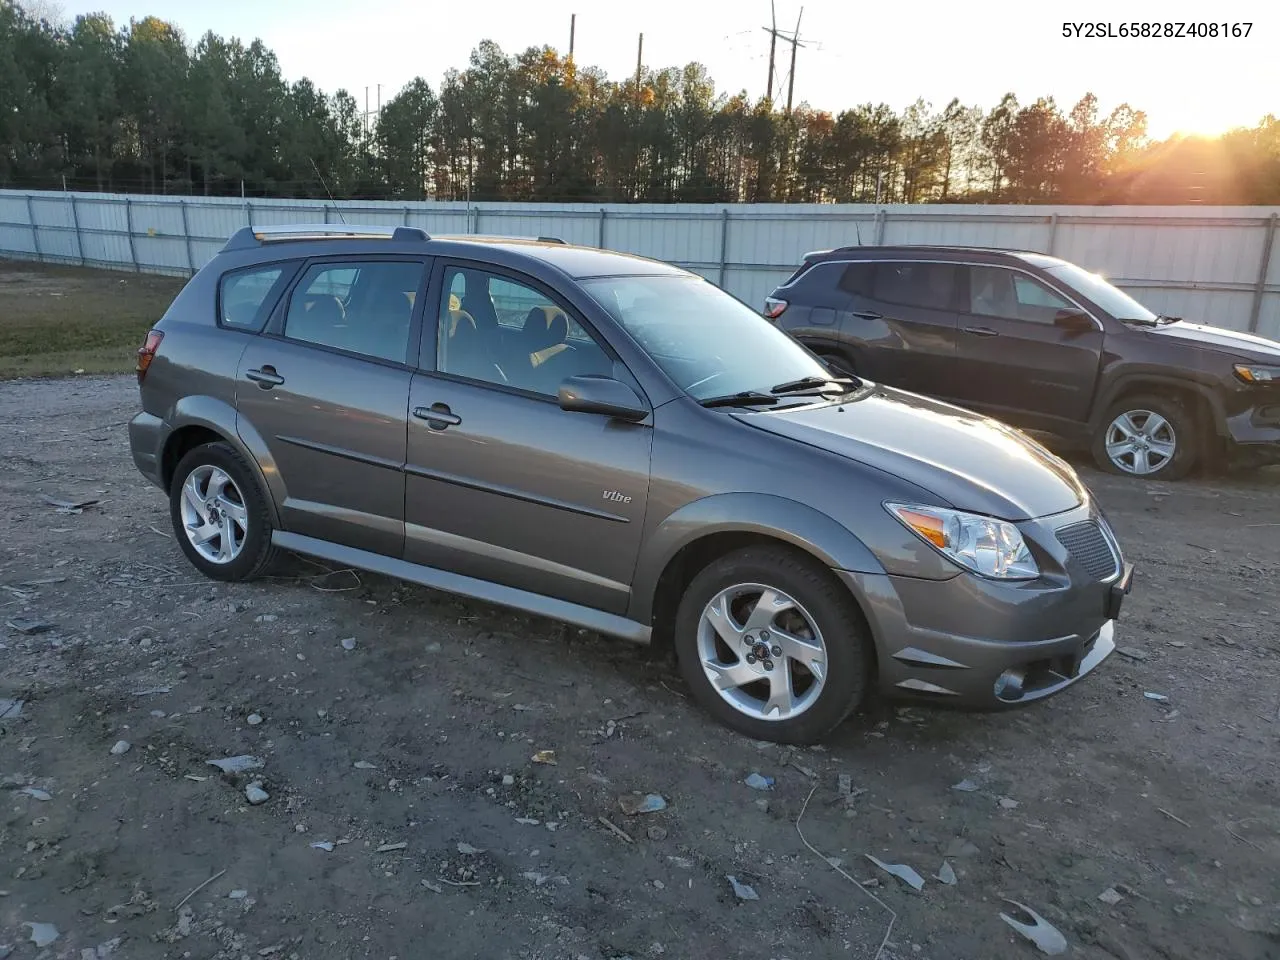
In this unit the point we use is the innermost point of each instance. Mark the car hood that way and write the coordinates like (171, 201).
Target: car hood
(972, 462)
(1245, 345)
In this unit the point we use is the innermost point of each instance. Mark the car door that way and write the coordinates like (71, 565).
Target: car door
(1026, 352)
(327, 388)
(900, 322)
(503, 485)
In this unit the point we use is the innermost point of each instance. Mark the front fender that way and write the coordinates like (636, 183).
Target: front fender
(1123, 380)
(221, 417)
(788, 521)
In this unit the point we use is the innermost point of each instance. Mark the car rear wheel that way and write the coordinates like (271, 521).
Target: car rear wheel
(772, 645)
(1149, 437)
(219, 513)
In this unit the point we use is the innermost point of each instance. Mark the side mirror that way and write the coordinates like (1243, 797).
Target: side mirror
(1074, 320)
(593, 394)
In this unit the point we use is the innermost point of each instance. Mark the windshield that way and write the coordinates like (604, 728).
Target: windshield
(1111, 299)
(710, 343)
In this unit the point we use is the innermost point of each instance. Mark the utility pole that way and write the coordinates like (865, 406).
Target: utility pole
(573, 22)
(772, 30)
(791, 79)
(639, 57)
(794, 39)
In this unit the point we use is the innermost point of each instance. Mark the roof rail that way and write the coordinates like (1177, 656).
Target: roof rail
(550, 240)
(248, 237)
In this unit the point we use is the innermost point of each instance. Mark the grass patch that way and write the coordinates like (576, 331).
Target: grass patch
(57, 320)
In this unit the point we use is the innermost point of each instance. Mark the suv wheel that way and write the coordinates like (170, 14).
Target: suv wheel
(220, 514)
(772, 645)
(1147, 436)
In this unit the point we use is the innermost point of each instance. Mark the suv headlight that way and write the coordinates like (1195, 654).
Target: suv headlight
(986, 546)
(1257, 373)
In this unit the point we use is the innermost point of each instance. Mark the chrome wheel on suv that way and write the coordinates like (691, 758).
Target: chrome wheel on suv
(1141, 441)
(1148, 436)
(762, 651)
(773, 645)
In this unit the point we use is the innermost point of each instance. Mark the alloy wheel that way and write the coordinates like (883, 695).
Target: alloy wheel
(1140, 442)
(214, 516)
(762, 651)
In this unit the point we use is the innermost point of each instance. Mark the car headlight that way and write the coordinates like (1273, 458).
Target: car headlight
(986, 546)
(1257, 373)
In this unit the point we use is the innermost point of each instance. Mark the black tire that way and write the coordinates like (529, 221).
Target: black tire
(257, 553)
(849, 666)
(1188, 439)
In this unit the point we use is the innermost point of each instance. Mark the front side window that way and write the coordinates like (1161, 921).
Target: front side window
(915, 284)
(708, 342)
(363, 308)
(500, 331)
(243, 294)
(1010, 295)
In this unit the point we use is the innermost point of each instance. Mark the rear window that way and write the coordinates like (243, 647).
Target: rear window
(242, 296)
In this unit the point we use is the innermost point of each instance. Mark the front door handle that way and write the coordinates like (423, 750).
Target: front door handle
(266, 377)
(438, 416)
(867, 315)
(981, 331)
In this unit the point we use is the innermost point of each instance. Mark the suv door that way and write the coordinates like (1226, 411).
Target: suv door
(502, 484)
(327, 388)
(900, 322)
(1020, 357)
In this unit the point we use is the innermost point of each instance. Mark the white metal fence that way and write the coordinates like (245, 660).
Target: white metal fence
(1215, 265)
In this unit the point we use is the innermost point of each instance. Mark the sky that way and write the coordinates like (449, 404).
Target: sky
(854, 52)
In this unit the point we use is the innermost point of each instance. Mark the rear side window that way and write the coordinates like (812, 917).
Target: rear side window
(858, 279)
(243, 296)
(363, 308)
(916, 284)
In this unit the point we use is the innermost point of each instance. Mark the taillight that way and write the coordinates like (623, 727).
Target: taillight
(147, 352)
(773, 307)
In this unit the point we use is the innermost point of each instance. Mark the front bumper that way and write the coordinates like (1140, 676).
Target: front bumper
(1253, 434)
(982, 644)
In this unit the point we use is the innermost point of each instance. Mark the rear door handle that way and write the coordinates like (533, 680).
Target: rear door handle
(867, 315)
(438, 416)
(266, 377)
(981, 331)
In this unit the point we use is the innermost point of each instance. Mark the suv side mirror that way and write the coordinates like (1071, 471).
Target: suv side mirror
(595, 394)
(1075, 320)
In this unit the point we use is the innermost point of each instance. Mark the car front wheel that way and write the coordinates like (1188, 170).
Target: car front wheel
(772, 645)
(220, 514)
(1149, 437)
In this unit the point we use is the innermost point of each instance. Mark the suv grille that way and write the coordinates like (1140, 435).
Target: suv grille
(1088, 545)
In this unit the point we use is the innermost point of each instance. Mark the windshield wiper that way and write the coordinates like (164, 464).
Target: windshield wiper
(1140, 321)
(747, 398)
(808, 383)
(1165, 318)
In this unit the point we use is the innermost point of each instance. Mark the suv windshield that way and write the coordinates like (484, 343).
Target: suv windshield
(1111, 299)
(710, 343)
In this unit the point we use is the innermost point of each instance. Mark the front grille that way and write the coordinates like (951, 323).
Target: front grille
(1089, 547)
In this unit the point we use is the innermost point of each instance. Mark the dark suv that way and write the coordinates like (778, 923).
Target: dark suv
(618, 443)
(1042, 344)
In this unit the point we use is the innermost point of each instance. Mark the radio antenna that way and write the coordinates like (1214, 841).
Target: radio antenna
(328, 191)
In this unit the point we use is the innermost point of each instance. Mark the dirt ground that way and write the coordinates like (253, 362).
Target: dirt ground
(408, 758)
